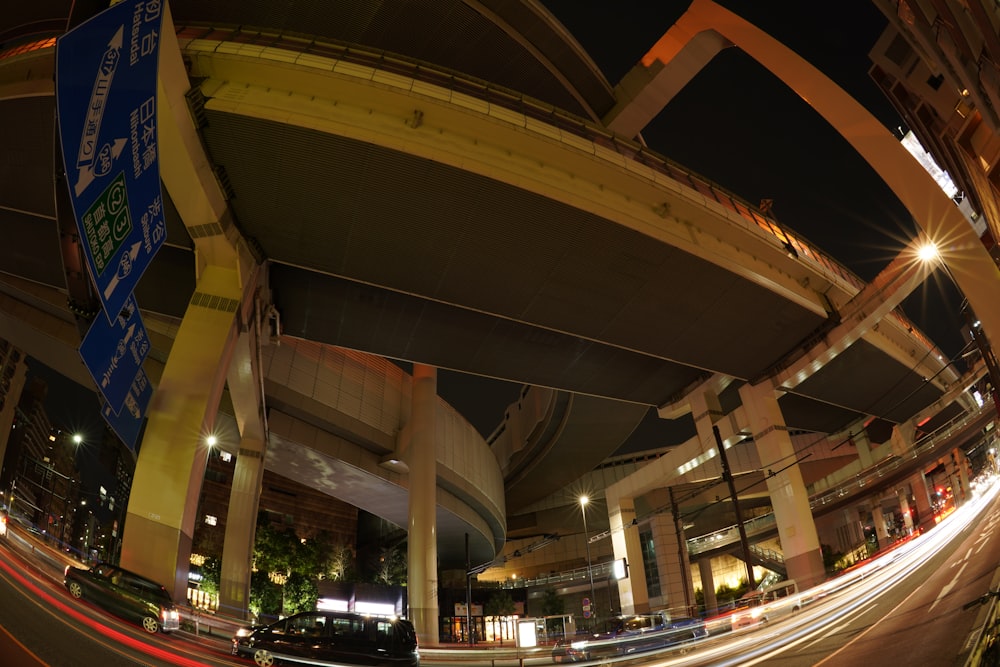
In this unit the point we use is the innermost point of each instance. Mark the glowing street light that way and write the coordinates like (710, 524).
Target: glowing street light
(928, 252)
(586, 539)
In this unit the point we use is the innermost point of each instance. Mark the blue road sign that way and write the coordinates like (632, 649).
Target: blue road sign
(114, 352)
(106, 72)
(127, 424)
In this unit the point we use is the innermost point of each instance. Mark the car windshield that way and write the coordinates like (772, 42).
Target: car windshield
(638, 623)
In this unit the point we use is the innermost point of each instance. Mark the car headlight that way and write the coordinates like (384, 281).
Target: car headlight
(244, 632)
(578, 646)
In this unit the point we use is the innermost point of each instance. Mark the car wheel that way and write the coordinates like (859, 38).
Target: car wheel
(263, 658)
(150, 625)
(76, 590)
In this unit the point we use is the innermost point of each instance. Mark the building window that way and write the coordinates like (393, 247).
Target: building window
(211, 519)
(225, 457)
(649, 563)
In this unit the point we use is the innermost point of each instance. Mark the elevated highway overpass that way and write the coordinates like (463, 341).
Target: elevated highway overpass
(398, 208)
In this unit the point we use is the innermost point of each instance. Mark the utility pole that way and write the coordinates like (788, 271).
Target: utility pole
(728, 476)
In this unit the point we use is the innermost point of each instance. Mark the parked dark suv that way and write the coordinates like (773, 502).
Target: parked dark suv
(335, 637)
(126, 594)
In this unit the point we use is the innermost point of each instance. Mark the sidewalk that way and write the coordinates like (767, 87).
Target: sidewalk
(209, 630)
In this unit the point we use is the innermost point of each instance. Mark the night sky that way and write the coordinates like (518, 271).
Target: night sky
(738, 126)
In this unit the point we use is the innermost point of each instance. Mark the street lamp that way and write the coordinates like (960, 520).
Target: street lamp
(590, 569)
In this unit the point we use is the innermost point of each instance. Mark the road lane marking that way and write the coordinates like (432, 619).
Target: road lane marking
(840, 627)
(948, 586)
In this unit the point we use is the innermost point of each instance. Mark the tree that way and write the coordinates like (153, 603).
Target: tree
(340, 565)
(287, 568)
(274, 550)
(499, 606)
(211, 572)
(300, 593)
(553, 605)
(391, 566)
(265, 596)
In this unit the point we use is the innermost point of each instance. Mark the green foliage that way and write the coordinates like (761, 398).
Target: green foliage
(300, 563)
(265, 597)
(340, 564)
(553, 605)
(211, 572)
(391, 566)
(499, 604)
(725, 594)
(274, 549)
(300, 593)
(831, 558)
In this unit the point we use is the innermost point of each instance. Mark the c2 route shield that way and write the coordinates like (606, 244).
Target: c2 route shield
(106, 71)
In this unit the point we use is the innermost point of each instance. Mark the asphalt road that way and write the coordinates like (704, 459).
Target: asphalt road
(908, 612)
(42, 626)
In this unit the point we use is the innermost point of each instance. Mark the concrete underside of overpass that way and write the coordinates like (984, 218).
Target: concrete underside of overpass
(481, 241)
(376, 311)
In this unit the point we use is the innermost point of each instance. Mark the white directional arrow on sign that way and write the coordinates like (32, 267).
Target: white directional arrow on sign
(105, 158)
(120, 350)
(95, 110)
(124, 268)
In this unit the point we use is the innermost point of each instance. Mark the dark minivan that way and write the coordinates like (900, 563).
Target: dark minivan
(318, 637)
(125, 593)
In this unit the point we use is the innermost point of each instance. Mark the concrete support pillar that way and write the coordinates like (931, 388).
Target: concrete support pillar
(878, 519)
(904, 507)
(246, 390)
(171, 465)
(854, 532)
(921, 500)
(705, 410)
(421, 457)
(170, 468)
(632, 591)
(962, 474)
(667, 565)
(796, 529)
(708, 586)
(241, 525)
(672, 562)
(901, 440)
(863, 447)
